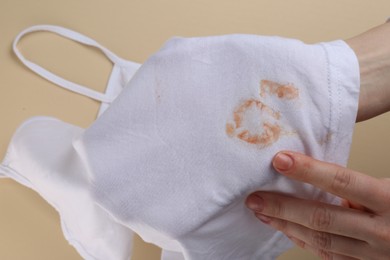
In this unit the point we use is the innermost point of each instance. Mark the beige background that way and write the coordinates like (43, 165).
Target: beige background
(29, 228)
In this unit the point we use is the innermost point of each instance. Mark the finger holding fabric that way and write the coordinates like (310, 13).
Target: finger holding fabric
(359, 229)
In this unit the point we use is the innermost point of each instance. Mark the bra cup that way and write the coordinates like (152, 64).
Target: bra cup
(41, 156)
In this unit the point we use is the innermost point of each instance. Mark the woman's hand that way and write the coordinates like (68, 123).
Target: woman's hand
(358, 229)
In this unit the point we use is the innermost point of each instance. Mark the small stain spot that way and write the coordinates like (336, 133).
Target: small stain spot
(230, 129)
(243, 135)
(269, 135)
(281, 91)
(326, 139)
(237, 119)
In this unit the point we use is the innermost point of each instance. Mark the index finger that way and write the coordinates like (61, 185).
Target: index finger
(343, 182)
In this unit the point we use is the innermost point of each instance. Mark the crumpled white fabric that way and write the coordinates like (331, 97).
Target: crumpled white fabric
(195, 130)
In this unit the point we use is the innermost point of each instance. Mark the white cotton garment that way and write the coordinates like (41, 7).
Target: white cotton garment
(194, 132)
(41, 156)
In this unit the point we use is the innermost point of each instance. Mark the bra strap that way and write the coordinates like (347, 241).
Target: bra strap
(102, 97)
(3, 171)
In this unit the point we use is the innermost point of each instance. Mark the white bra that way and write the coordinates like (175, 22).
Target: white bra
(85, 225)
(183, 140)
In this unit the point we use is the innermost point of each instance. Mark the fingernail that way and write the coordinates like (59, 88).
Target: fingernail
(283, 162)
(255, 203)
(263, 218)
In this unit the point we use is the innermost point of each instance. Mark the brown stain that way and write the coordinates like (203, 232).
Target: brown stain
(243, 135)
(245, 105)
(240, 110)
(237, 119)
(271, 112)
(326, 139)
(230, 129)
(270, 133)
(281, 91)
(238, 113)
